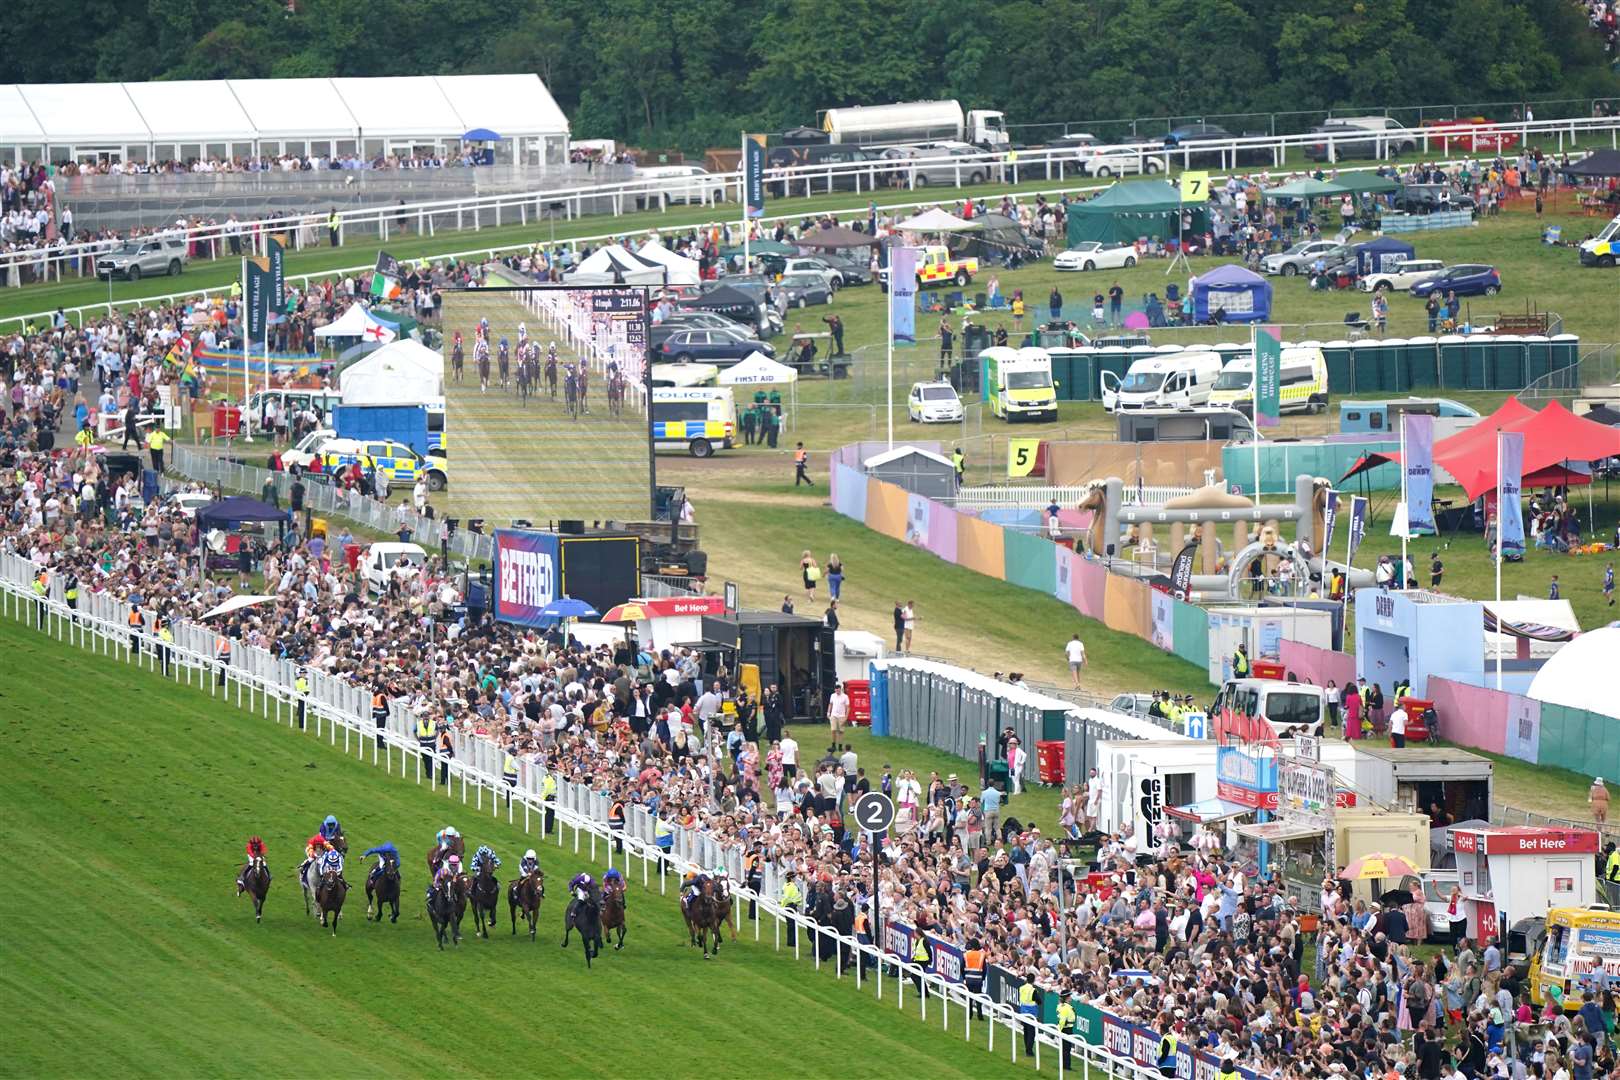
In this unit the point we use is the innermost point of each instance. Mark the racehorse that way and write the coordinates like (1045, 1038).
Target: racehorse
(551, 375)
(486, 893)
(441, 905)
(703, 914)
(386, 889)
(256, 882)
(585, 915)
(526, 893)
(722, 903)
(329, 897)
(613, 913)
(615, 393)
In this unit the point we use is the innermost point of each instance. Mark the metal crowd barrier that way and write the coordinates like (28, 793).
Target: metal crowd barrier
(333, 709)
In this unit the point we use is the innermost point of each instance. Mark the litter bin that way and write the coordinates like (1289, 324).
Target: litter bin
(1049, 761)
(998, 773)
(860, 700)
(227, 421)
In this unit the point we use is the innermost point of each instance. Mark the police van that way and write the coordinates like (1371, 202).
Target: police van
(696, 419)
(396, 464)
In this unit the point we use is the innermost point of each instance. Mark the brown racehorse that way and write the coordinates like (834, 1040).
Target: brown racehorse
(526, 893)
(486, 894)
(613, 912)
(384, 890)
(722, 900)
(329, 897)
(703, 915)
(256, 883)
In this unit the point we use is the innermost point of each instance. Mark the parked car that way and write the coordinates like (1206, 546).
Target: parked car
(1342, 142)
(802, 290)
(680, 184)
(1391, 138)
(1403, 275)
(1092, 255)
(951, 164)
(1132, 704)
(1107, 161)
(1437, 886)
(709, 321)
(303, 455)
(1298, 259)
(382, 562)
(711, 346)
(1186, 138)
(933, 403)
(145, 257)
(853, 269)
(189, 502)
(1464, 279)
(1427, 198)
(820, 268)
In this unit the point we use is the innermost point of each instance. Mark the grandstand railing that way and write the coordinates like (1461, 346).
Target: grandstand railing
(659, 193)
(266, 684)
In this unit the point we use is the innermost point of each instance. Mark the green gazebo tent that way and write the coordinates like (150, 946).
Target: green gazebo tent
(1131, 210)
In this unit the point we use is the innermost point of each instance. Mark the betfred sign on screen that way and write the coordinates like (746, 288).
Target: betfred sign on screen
(525, 575)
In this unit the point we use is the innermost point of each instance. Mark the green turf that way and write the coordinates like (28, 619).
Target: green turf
(127, 952)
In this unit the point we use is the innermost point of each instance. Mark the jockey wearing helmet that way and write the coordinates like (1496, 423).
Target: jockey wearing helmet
(332, 832)
(581, 886)
(722, 882)
(613, 881)
(256, 852)
(448, 842)
(485, 854)
(694, 885)
(529, 863)
(332, 862)
(386, 854)
(314, 848)
(448, 871)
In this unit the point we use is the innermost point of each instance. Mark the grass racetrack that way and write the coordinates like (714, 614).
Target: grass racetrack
(124, 950)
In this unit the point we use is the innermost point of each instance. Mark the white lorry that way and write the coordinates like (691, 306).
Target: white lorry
(916, 122)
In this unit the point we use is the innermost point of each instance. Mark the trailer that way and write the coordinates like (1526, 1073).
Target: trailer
(916, 122)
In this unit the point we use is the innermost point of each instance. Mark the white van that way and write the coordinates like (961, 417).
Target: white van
(1304, 382)
(1162, 381)
(295, 400)
(679, 184)
(1289, 708)
(697, 419)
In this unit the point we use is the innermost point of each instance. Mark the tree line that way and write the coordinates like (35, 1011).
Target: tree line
(694, 74)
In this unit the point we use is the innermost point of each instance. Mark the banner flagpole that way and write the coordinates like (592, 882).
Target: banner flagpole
(744, 200)
(246, 415)
(888, 381)
(1254, 351)
(1498, 559)
(1406, 525)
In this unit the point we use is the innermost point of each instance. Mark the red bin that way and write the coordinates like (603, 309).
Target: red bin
(351, 556)
(860, 700)
(1049, 761)
(1417, 719)
(227, 421)
(1268, 669)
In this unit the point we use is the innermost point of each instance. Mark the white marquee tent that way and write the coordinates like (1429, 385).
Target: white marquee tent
(404, 372)
(681, 270)
(616, 265)
(757, 369)
(1578, 674)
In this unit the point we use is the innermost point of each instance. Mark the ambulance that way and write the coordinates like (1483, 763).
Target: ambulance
(1304, 383)
(1018, 383)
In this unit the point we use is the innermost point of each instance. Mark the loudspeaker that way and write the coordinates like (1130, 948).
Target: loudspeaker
(697, 563)
(571, 527)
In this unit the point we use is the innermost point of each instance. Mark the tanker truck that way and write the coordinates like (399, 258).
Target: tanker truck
(916, 122)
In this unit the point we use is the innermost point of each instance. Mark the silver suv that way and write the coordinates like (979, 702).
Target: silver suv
(134, 259)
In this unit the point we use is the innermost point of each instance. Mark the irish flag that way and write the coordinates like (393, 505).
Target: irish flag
(385, 278)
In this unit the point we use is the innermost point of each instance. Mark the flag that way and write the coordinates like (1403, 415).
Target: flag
(1181, 570)
(1509, 512)
(903, 294)
(1358, 526)
(1419, 466)
(378, 332)
(385, 278)
(1330, 518)
(1267, 377)
(754, 173)
(257, 294)
(274, 256)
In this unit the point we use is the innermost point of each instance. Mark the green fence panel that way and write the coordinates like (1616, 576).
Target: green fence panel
(1453, 363)
(1063, 374)
(1030, 561)
(1365, 359)
(1604, 752)
(1190, 634)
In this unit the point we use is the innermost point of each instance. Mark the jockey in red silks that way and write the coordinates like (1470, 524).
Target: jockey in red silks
(256, 852)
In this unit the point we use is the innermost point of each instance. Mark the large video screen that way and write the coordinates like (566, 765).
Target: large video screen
(546, 405)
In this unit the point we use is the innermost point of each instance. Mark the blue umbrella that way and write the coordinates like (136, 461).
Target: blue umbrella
(566, 607)
(480, 135)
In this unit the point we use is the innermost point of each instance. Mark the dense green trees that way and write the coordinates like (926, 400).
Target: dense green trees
(693, 73)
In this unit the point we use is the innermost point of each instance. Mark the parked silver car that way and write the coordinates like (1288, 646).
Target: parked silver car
(135, 259)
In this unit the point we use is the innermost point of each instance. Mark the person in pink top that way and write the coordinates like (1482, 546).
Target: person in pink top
(1352, 714)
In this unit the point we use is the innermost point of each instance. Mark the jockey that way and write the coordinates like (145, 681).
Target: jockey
(386, 854)
(613, 880)
(523, 333)
(581, 887)
(530, 863)
(694, 885)
(255, 852)
(722, 882)
(313, 849)
(448, 871)
(551, 353)
(485, 854)
(446, 843)
(331, 831)
(332, 862)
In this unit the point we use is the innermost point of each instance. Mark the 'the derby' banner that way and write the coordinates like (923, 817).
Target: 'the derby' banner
(1509, 511)
(903, 294)
(525, 575)
(1419, 465)
(1330, 518)
(754, 173)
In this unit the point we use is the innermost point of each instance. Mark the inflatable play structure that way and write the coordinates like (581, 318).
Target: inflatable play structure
(1125, 535)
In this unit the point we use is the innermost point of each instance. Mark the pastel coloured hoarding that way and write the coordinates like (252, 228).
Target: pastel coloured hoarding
(942, 530)
(980, 546)
(886, 508)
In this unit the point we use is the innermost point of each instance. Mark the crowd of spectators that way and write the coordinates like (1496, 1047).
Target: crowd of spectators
(266, 163)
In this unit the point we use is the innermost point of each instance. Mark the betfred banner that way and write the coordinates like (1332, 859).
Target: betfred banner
(1267, 376)
(903, 295)
(526, 566)
(1419, 466)
(754, 173)
(1509, 511)
(947, 959)
(897, 939)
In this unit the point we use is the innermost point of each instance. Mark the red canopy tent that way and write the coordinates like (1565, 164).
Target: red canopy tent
(1551, 437)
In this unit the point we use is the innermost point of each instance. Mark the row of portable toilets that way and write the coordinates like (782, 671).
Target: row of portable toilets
(1368, 366)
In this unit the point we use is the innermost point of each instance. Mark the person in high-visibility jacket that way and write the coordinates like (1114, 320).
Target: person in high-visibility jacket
(301, 688)
(1228, 1070)
(1240, 662)
(973, 972)
(616, 823)
(86, 438)
(379, 714)
(1066, 1019)
(137, 626)
(155, 442)
(792, 898)
(1611, 876)
(165, 639)
(548, 795)
(1029, 1008)
(509, 768)
(921, 956)
(426, 736)
(1168, 1045)
(70, 592)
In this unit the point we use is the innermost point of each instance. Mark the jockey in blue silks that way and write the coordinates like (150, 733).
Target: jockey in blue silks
(386, 853)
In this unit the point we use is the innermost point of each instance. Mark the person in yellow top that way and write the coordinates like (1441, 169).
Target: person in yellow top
(155, 442)
(792, 898)
(1018, 310)
(86, 438)
(1066, 1019)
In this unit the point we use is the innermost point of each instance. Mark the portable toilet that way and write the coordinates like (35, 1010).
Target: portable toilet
(1392, 365)
(1480, 353)
(1506, 370)
(1337, 356)
(1537, 357)
(1366, 366)
(1229, 351)
(1566, 351)
(1420, 359)
(1453, 351)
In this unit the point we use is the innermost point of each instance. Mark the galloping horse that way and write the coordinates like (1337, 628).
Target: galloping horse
(585, 915)
(615, 392)
(703, 914)
(329, 897)
(386, 890)
(441, 906)
(613, 911)
(526, 893)
(486, 893)
(256, 883)
(722, 903)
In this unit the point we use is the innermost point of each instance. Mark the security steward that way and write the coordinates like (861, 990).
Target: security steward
(165, 639)
(959, 463)
(1066, 1019)
(973, 973)
(792, 898)
(921, 956)
(301, 688)
(1168, 1046)
(1228, 1070)
(332, 226)
(70, 593)
(1030, 1009)
(42, 589)
(222, 658)
(426, 737)
(616, 824)
(1240, 662)
(754, 875)
(137, 626)
(1611, 874)
(379, 714)
(548, 795)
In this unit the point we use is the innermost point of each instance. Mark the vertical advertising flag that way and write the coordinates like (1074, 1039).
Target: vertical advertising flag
(1358, 526)
(1419, 466)
(754, 173)
(1267, 377)
(1181, 571)
(274, 253)
(1509, 511)
(1330, 518)
(903, 294)
(256, 294)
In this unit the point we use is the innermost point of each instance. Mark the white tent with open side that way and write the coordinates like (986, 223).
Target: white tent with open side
(404, 372)
(936, 221)
(616, 265)
(355, 323)
(757, 369)
(681, 270)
